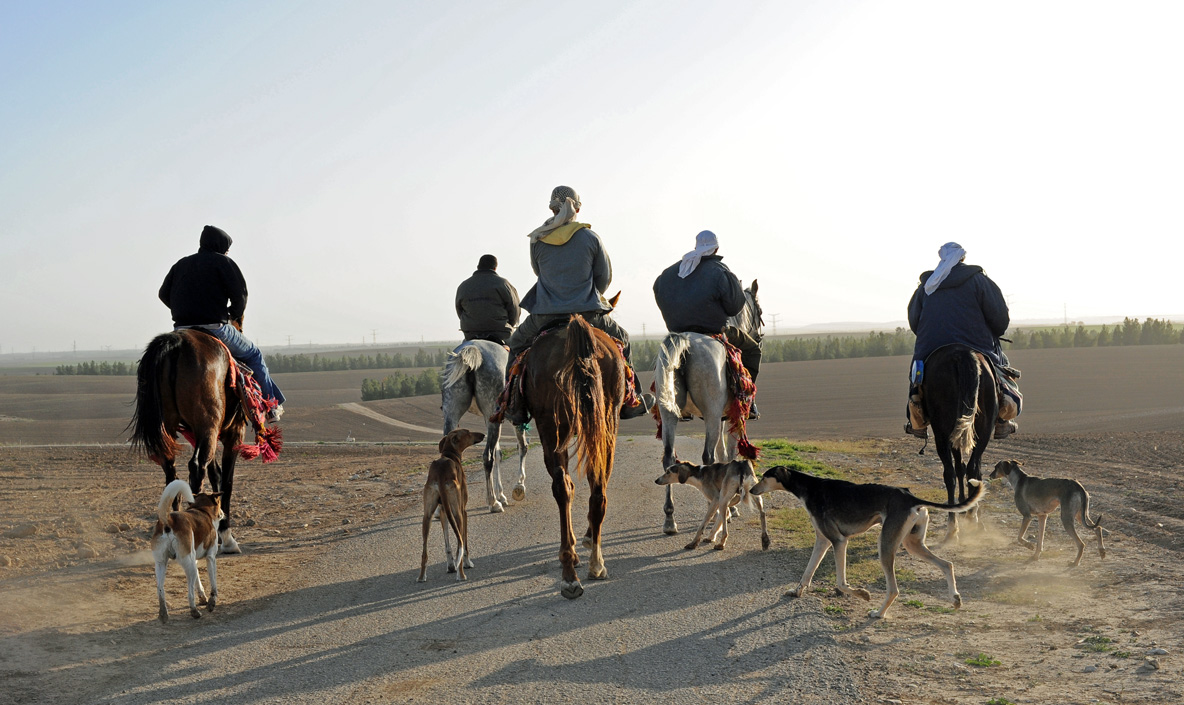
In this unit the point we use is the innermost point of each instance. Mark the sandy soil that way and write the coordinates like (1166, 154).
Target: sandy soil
(74, 525)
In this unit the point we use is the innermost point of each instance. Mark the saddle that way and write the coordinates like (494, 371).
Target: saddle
(1006, 381)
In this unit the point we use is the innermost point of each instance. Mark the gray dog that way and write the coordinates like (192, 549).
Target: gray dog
(1040, 496)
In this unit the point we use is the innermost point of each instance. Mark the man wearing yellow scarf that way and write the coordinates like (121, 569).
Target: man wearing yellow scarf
(573, 273)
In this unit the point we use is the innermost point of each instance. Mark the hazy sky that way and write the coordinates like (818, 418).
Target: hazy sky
(363, 155)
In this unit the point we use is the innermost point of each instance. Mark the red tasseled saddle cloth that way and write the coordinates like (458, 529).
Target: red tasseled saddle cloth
(268, 441)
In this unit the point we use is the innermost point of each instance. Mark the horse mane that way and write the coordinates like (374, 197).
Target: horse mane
(750, 319)
(459, 364)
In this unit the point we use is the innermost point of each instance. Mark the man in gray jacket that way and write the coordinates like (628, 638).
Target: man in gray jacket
(573, 271)
(957, 303)
(487, 304)
(699, 293)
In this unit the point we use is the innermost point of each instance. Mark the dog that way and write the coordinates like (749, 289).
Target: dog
(724, 485)
(447, 491)
(1040, 496)
(840, 509)
(187, 536)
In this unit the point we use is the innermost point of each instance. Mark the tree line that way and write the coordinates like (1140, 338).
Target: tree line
(1130, 332)
(98, 368)
(381, 361)
(401, 385)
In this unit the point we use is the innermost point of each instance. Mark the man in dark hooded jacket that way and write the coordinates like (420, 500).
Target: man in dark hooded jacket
(206, 290)
(699, 293)
(957, 303)
(487, 304)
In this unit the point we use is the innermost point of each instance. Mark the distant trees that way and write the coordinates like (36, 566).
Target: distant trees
(97, 368)
(1152, 331)
(381, 361)
(401, 385)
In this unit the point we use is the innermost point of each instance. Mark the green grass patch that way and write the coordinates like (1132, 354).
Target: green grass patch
(981, 660)
(1036, 618)
(1096, 644)
(834, 610)
(796, 456)
(938, 609)
(1122, 654)
(915, 604)
(1000, 701)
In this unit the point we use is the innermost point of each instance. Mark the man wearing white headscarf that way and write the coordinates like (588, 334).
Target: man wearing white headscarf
(573, 273)
(957, 303)
(699, 293)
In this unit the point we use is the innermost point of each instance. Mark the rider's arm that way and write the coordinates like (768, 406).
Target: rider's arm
(166, 290)
(602, 268)
(236, 291)
(915, 305)
(513, 311)
(731, 294)
(994, 306)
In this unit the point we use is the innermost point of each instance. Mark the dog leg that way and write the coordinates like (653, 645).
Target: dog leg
(189, 564)
(821, 546)
(447, 542)
(160, 571)
(760, 506)
(914, 543)
(212, 570)
(1068, 520)
(428, 510)
(711, 509)
(724, 513)
(1041, 524)
(1023, 530)
(841, 572)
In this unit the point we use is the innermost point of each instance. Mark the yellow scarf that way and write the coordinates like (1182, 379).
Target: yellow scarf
(563, 233)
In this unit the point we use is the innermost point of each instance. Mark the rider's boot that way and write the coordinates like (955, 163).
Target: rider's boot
(752, 411)
(645, 402)
(916, 425)
(516, 412)
(1003, 429)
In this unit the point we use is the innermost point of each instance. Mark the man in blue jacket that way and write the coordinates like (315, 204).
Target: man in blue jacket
(957, 303)
(207, 290)
(699, 293)
(573, 271)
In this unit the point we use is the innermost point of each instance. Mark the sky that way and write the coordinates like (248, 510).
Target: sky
(364, 155)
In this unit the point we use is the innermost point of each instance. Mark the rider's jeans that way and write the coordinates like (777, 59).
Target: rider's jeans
(250, 355)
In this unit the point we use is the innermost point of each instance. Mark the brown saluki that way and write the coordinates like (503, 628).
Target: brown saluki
(574, 386)
(184, 382)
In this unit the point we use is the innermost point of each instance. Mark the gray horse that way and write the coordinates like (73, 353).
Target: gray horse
(471, 381)
(690, 380)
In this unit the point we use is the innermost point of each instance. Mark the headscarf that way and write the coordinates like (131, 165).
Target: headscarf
(564, 202)
(951, 254)
(705, 244)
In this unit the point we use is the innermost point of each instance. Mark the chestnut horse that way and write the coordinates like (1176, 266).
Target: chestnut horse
(574, 385)
(959, 399)
(185, 382)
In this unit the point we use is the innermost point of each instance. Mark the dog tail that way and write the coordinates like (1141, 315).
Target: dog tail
(1085, 513)
(460, 364)
(980, 491)
(670, 355)
(171, 491)
(746, 483)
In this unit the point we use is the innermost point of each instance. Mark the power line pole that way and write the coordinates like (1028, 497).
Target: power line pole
(374, 336)
(774, 316)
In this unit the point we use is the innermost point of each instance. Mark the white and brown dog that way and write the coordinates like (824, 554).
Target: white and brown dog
(1041, 496)
(447, 491)
(839, 510)
(187, 536)
(724, 485)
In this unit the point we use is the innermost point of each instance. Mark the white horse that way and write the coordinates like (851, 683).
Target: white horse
(691, 380)
(472, 380)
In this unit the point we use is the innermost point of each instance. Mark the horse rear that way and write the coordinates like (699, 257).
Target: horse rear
(184, 384)
(958, 396)
(574, 386)
(471, 382)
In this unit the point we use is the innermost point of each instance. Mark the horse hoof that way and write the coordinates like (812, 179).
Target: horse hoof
(496, 508)
(422, 579)
(163, 616)
(670, 528)
(586, 542)
(765, 542)
(229, 545)
(213, 603)
(718, 547)
(195, 613)
(519, 493)
(502, 499)
(602, 575)
(451, 569)
(572, 590)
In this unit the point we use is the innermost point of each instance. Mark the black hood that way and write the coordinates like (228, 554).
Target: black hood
(959, 275)
(214, 240)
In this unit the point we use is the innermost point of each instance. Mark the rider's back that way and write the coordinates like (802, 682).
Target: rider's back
(967, 308)
(701, 302)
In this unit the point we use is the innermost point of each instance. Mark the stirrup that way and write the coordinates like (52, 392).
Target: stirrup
(1003, 429)
(644, 402)
(922, 433)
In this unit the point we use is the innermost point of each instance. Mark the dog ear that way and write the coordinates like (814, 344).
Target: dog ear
(442, 442)
(684, 471)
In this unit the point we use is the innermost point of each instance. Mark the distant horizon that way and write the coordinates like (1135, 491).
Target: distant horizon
(840, 327)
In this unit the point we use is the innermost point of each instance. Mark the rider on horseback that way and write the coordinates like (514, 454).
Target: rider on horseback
(487, 304)
(197, 290)
(957, 303)
(574, 271)
(698, 293)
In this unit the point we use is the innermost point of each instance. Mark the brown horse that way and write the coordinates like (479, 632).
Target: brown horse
(574, 386)
(185, 383)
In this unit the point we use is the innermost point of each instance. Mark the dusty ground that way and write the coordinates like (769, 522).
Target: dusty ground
(74, 526)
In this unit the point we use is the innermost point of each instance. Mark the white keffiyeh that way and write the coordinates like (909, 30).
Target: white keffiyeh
(566, 214)
(951, 254)
(705, 244)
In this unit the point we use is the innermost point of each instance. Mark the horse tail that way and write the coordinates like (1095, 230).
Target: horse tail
(966, 373)
(459, 364)
(670, 357)
(581, 384)
(147, 424)
(174, 488)
(980, 491)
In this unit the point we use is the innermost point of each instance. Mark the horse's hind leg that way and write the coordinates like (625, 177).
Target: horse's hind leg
(562, 488)
(523, 445)
(229, 545)
(493, 477)
(669, 430)
(949, 475)
(597, 506)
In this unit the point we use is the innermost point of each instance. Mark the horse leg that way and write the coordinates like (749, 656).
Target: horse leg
(229, 456)
(562, 488)
(945, 452)
(520, 488)
(669, 431)
(493, 476)
(597, 507)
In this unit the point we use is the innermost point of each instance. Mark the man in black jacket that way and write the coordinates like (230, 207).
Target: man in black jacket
(206, 290)
(699, 293)
(957, 303)
(487, 304)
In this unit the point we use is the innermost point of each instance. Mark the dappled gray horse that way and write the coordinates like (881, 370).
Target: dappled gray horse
(690, 379)
(472, 380)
